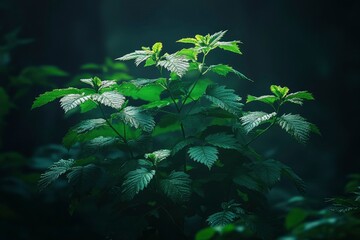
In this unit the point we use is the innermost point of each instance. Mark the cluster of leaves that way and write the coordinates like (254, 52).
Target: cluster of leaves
(181, 138)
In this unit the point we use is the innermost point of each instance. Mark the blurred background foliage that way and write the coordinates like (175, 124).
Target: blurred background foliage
(44, 44)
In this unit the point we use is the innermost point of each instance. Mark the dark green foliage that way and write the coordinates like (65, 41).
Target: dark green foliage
(145, 144)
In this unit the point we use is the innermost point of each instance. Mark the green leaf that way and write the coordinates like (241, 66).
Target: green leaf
(268, 171)
(206, 155)
(268, 99)
(54, 172)
(182, 144)
(205, 234)
(216, 37)
(252, 120)
(299, 97)
(157, 47)
(111, 99)
(222, 140)
(230, 46)
(187, 40)
(53, 95)
(247, 181)
(141, 82)
(175, 63)
(71, 101)
(139, 56)
(137, 118)
(88, 125)
(223, 70)
(158, 155)
(295, 217)
(149, 92)
(224, 98)
(278, 91)
(157, 104)
(296, 126)
(221, 218)
(102, 142)
(177, 186)
(189, 53)
(136, 181)
(84, 178)
(200, 89)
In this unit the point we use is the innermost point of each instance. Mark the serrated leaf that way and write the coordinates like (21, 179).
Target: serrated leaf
(137, 118)
(48, 97)
(139, 56)
(187, 40)
(175, 63)
(253, 119)
(102, 142)
(71, 101)
(221, 218)
(206, 155)
(111, 99)
(299, 97)
(216, 37)
(190, 53)
(136, 181)
(222, 140)
(224, 98)
(278, 91)
(230, 46)
(88, 125)
(296, 126)
(54, 172)
(158, 155)
(182, 144)
(177, 186)
(223, 70)
(268, 99)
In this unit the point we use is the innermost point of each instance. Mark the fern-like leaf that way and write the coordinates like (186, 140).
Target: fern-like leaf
(139, 56)
(88, 125)
(71, 101)
(177, 186)
(175, 63)
(137, 118)
(206, 155)
(136, 181)
(222, 140)
(268, 171)
(296, 126)
(224, 98)
(111, 99)
(48, 97)
(253, 119)
(54, 172)
(221, 218)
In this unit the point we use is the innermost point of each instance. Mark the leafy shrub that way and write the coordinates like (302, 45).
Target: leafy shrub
(171, 149)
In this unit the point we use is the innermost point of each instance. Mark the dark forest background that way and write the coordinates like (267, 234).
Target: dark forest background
(305, 45)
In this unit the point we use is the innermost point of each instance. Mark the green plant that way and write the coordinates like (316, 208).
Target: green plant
(173, 139)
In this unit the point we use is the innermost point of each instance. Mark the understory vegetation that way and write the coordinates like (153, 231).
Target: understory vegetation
(172, 157)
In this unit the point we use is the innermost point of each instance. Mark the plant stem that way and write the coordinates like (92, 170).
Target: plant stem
(261, 133)
(116, 131)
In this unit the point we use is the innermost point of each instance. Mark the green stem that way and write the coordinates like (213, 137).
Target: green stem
(116, 131)
(266, 129)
